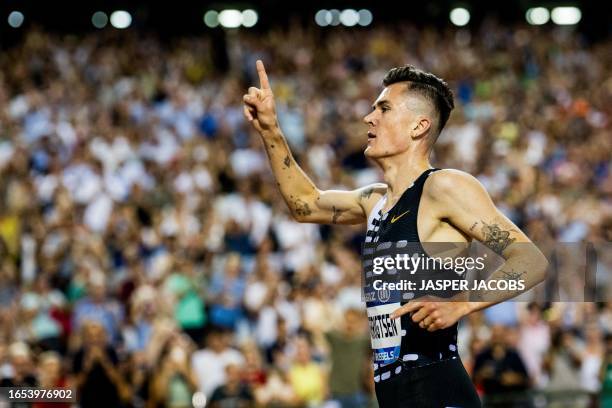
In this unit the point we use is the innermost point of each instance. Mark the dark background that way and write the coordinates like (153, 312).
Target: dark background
(183, 17)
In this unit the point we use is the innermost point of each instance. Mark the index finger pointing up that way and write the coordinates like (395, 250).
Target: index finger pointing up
(263, 77)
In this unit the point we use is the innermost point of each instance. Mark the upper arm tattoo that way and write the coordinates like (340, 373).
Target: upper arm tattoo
(336, 213)
(287, 161)
(496, 238)
(366, 193)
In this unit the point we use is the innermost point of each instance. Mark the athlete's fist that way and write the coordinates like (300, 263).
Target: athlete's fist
(259, 107)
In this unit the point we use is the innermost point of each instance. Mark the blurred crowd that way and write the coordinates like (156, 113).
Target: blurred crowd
(148, 260)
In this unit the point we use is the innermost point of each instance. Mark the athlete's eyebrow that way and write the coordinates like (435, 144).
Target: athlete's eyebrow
(382, 102)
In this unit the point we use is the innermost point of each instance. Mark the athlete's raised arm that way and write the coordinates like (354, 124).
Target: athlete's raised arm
(306, 202)
(460, 198)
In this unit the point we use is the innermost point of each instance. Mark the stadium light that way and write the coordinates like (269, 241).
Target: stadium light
(323, 18)
(15, 19)
(120, 19)
(211, 18)
(349, 17)
(459, 16)
(335, 17)
(365, 17)
(537, 16)
(566, 15)
(249, 18)
(99, 19)
(230, 18)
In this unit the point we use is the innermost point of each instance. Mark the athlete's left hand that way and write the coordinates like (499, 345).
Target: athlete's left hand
(432, 313)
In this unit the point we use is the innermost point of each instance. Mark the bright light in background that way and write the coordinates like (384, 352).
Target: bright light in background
(335, 17)
(15, 19)
(249, 18)
(459, 16)
(198, 400)
(349, 17)
(99, 19)
(566, 15)
(323, 18)
(365, 17)
(211, 18)
(537, 16)
(230, 18)
(120, 19)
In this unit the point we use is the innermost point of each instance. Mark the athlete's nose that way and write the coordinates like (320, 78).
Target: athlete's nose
(369, 119)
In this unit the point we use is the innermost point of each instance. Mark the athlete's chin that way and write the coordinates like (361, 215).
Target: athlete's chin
(370, 152)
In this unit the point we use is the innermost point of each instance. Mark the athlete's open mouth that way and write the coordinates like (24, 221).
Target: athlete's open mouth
(371, 135)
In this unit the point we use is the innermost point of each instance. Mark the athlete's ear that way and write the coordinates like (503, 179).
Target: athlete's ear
(420, 127)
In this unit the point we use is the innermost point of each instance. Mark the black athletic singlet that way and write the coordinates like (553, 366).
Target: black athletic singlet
(401, 347)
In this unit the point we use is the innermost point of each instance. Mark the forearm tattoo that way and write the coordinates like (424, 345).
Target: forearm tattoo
(512, 275)
(301, 208)
(496, 238)
(287, 161)
(488, 295)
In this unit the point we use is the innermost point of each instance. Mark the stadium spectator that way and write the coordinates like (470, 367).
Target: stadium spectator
(173, 383)
(349, 352)
(20, 371)
(209, 363)
(501, 372)
(95, 368)
(562, 367)
(234, 392)
(306, 376)
(51, 375)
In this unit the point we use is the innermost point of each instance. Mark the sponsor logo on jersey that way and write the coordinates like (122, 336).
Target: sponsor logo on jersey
(384, 295)
(399, 216)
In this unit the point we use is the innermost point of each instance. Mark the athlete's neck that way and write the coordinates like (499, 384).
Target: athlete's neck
(400, 172)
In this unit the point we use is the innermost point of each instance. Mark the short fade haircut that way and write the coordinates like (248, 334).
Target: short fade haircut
(434, 89)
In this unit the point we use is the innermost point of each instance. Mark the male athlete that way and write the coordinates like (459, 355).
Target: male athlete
(418, 204)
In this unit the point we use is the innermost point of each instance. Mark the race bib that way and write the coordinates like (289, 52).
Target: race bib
(385, 333)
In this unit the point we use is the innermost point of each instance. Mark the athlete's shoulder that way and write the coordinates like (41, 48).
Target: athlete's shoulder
(447, 183)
